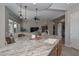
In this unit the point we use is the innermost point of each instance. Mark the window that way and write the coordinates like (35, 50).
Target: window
(15, 27)
(11, 26)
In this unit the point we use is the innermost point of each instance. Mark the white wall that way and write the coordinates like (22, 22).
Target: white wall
(72, 28)
(67, 29)
(2, 25)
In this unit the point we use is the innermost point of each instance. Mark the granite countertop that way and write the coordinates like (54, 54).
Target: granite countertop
(26, 47)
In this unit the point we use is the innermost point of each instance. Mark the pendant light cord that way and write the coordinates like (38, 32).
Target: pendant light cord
(20, 11)
(25, 12)
(36, 12)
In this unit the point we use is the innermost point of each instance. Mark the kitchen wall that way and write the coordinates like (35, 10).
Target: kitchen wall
(72, 28)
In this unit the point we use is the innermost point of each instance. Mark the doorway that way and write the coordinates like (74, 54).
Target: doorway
(63, 32)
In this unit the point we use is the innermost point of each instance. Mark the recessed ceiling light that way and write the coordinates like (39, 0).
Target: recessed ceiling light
(67, 3)
(34, 3)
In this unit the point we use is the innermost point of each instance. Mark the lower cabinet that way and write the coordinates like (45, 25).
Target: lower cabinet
(59, 48)
(56, 51)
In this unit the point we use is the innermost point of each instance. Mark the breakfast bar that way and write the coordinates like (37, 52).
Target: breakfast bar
(25, 46)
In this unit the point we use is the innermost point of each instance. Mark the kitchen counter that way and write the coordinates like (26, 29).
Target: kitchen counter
(24, 46)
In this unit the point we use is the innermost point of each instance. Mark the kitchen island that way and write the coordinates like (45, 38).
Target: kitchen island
(25, 46)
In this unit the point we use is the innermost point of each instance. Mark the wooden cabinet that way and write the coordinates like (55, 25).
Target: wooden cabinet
(53, 52)
(59, 48)
(56, 51)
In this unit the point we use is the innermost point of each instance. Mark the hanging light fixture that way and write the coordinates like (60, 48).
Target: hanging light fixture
(20, 12)
(36, 18)
(25, 12)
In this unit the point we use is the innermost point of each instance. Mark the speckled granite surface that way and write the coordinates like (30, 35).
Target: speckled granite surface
(26, 47)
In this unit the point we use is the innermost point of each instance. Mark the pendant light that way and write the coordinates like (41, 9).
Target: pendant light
(25, 13)
(20, 12)
(36, 18)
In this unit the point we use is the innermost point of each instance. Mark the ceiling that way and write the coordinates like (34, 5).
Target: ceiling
(32, 7)
(46, 11)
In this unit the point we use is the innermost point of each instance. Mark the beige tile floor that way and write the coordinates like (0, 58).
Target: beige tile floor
(69, 52)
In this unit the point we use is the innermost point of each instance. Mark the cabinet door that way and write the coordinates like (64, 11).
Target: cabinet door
(56, 51)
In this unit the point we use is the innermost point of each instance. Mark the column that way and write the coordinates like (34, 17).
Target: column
(60, 30)
(2, 25)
